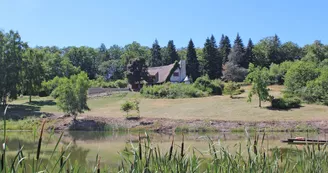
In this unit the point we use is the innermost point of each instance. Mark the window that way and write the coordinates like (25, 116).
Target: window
(176, 74)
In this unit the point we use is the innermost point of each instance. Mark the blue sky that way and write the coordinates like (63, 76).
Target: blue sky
(90, 23)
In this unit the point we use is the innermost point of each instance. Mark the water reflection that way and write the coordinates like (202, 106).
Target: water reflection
(85, 146)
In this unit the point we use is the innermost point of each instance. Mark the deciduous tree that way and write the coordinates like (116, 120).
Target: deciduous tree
(71, 94)
(259, 78)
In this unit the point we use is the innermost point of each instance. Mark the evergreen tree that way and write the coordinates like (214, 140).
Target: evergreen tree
(156, 57)
(224, 48)
(213, 60)
(192, 62)
(237, 54)
(249, 56)
(172, 53)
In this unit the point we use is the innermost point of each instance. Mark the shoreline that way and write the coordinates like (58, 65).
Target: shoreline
(169, 126)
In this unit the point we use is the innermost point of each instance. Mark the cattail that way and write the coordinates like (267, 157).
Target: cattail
(182, 146)
(61, 158)
(40, 140)
(98, 165)
(171, 149)
(140, 150)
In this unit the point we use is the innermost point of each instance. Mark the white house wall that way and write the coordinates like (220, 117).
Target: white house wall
(181, 71)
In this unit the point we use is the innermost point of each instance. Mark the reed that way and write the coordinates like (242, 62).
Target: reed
(144, 157)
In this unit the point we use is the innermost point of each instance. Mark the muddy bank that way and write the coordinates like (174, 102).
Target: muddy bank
(163, 125)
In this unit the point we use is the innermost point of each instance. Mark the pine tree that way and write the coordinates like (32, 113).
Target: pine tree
(249, 51)
(213, 64)
(192, 62)
(224, 48)
(237, 54)
(156, 57)
(172, 53)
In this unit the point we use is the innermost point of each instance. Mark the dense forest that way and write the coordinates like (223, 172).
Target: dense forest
(24, 69)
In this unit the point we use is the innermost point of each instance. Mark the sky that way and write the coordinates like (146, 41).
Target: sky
(92, 22)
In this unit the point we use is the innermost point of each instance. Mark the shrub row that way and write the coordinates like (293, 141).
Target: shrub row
(169, 90)
(111, 84)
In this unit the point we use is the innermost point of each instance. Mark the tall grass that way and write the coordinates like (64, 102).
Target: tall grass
(146, 157)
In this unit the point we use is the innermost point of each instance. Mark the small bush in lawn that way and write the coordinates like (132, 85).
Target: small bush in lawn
(127, 107)
(231, 88)
(285, 103)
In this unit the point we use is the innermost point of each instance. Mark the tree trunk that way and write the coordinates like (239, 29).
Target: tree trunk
(260, 102)
(30, 99)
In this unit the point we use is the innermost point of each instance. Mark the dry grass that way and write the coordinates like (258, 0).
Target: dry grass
(216, 107)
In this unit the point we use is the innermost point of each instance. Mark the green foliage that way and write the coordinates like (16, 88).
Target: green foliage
(212, 59)
(32, 71)
(84, 58)
(212, 87)
(278, 72)
(172, 91)
(192, 64)
(268, 51)
(316, 91)
(231, 88)
(156, 57)
(315, 52)
(285, 103)
(111, 69)
(11, 53)
(71, 94)
(127, 106)
(100, 82)
(259, 78)
(298, 75)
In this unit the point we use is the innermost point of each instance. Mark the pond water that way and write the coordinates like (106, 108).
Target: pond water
(84, 146)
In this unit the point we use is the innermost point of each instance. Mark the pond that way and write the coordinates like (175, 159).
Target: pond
(85, 146)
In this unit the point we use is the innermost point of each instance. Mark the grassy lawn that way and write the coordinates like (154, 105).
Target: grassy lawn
(216, 107)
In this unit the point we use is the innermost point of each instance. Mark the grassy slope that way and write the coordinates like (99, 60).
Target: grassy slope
(216, 107)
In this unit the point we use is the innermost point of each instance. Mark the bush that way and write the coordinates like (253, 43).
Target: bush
(231, 88)
(172, 91)
(121, 83)
(213, 87)
(285, 103)
(100, 82)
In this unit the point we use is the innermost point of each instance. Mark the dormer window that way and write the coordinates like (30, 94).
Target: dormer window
(176, 74)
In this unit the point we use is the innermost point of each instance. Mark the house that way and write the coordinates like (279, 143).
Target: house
(174, 73)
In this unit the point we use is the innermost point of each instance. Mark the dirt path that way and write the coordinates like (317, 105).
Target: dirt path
(164, 125)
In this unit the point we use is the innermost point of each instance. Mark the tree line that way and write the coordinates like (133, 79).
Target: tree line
(24, 68)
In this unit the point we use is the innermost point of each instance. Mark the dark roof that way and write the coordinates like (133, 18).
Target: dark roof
(163, 72)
